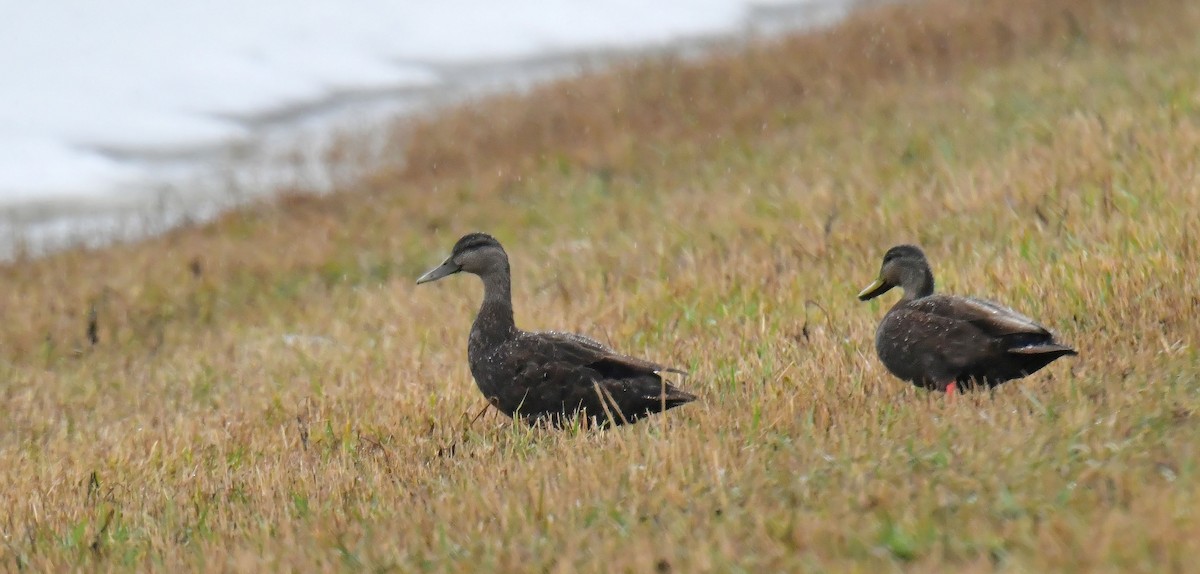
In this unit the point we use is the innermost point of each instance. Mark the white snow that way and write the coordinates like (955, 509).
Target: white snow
(87, 87)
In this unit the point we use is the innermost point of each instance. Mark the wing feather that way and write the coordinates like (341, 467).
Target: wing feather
(992, 318)
(581, 350)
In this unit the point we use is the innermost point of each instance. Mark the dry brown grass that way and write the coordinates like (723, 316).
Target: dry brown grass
(719, 215)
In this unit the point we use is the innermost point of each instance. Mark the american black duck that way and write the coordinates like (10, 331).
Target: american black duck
(944, 342)
(548, 377)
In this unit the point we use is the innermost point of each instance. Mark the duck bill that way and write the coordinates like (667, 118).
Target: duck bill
(879, 287)
(448, 267)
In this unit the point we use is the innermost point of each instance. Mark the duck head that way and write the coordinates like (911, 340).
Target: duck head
(903, 266)
(477, 253)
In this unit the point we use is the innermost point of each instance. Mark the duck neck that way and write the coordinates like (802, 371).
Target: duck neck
(918, 283)
(494, 323)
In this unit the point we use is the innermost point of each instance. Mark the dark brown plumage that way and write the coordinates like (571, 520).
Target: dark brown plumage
(945, 341)
(549, 377)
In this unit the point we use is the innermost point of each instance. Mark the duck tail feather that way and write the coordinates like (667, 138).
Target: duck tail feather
(675, 396)
(1044, 349)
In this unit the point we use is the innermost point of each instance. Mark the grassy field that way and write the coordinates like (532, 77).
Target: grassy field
(272, 392)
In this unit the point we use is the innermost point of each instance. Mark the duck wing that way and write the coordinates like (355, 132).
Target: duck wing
(586, 351)
(993, 319)
(565, 373)
(943, 338)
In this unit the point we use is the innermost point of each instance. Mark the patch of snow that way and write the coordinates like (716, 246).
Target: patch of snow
(100, 98)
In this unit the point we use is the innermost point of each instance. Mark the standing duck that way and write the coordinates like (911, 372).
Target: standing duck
(548, 377)
(945, 341)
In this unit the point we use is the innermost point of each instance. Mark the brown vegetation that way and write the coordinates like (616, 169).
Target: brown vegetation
(272, 391)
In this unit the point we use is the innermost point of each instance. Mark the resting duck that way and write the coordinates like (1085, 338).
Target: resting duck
(549, 377)
(941, 342)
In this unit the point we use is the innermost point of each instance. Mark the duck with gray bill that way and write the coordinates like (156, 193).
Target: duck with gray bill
(549, 377)
(942, 342)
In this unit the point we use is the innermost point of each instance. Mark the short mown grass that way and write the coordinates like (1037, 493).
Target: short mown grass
(272, 392)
